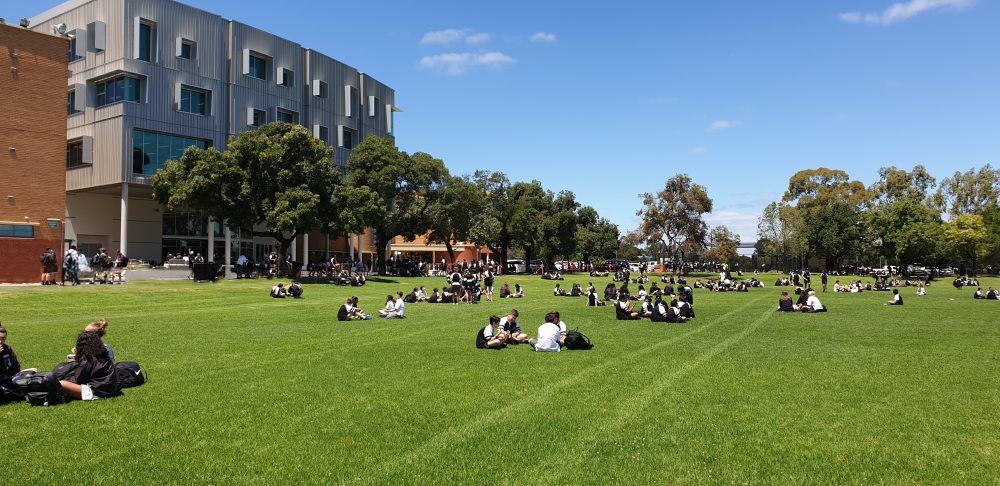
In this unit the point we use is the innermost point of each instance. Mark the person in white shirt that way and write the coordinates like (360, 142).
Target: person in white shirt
(278, 291)
(921, 290)
(548, 335)
(491, 336)
(510, 325)
(394, 309)
(813, 304)
(896, 298)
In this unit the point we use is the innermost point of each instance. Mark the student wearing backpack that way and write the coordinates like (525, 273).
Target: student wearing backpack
(95, 377)
(49, 267)
(70, 267)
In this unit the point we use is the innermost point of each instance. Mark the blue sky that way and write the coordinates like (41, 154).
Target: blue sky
(610, 100)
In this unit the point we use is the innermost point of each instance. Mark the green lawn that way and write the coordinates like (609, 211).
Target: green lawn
(248, 389)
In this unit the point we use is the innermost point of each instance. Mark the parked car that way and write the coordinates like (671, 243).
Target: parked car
(616, 265)
(944, 272)
(916, 270)
(516, 266)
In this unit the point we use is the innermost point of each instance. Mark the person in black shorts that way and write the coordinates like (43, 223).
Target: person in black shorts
(491, 336)
(488, 276)
(456, 286)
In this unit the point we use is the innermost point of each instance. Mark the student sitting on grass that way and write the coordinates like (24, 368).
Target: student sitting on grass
(676, 312)
(95, 377)
(435, 297)
(575, 291)
(812, 303)
(505, 291)
(9, 366)
(518, 292)
(549, 339)
(896, 298)
(921, 290)
(647, 307)
(610, 292)
(510, 326)
(411, 298)
(278, 291)
(491, 336)
(623, 309)
(592, 299)
(978, 294)
(659, 311)
(394, 309)
(785, 302)
(558, 291)
(295, 290)
(351, 311)
(101, 329)
(991, 294)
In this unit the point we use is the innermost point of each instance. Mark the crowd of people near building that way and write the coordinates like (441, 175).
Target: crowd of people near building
(101, 268)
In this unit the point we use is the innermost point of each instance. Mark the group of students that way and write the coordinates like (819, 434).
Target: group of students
(93, 376)
(990, 294)
(294, 290)
(503, 331)
(807, 301)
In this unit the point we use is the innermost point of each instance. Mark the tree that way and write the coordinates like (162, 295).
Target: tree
(529, 216)
(673, 217)
(775, 233)
(493, 227)
(561, 227)
(276, 181)
(966, 238)
(454, 212)
(897, 184)
(595, 236)
(969, 192)
(405, 186)
(829, 205)
(723, 244)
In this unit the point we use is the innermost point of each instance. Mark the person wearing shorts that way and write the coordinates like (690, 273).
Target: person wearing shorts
(95, 377)
(491, 336)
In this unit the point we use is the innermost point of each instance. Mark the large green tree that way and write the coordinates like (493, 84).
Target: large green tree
(561, 227)
(674, 217)
(530, 217)
(405, 188)
(595, 236)
(966, 239)
(276, 181)
(455, 212)
(722, 245)
(969, 192)
(829, 204)
(493, 227)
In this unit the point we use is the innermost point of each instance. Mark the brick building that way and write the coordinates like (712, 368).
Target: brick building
(32, 149)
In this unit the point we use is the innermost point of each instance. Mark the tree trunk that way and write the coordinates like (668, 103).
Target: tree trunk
(450, 249)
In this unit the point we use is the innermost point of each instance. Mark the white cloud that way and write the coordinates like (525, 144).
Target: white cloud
(450, 36)
(543, 37)
(699, 150)
(723, 124)
(741, 223)
(455, 64)
(899, 12)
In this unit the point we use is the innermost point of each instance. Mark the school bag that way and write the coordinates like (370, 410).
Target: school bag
(576, 340)
(130, 374)
(42, 389)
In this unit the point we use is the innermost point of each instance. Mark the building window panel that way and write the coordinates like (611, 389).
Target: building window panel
(194, 101)
(74, 153)
(73, 55)
(71, 103)
(286, 116)
(146, 41)
(259, 118)
(17, 231)
(186, 49)
(257, 67)
(151, 151)
(122, 88)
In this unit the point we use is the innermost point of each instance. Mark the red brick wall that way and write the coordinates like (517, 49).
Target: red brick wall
(33, 121)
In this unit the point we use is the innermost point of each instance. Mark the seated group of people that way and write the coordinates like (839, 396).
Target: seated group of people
(93, 377)
(503, 331)
(395, 308)
(353, 279)
(350, 311)
(293, 290)
(807, 302)
(506, 293)
(728, 285)
(965, 281)
(658, 308)
(989, 295)
(574, 291)
(552, 274)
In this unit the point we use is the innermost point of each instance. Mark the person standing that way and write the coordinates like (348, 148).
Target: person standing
(70, 267)
(49, 267)
(823, 278)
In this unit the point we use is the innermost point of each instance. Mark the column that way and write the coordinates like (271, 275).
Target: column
(350, 241)
(295, 254)
(210, 253)
(123, 246)
(305, 250)
(228, 251)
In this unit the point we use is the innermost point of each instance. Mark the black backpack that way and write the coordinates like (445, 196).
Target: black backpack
(576, 340)
(42, 389)
(130, 374)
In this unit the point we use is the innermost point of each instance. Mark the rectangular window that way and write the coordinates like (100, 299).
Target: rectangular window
(17, 231)
(259, 117)
(348, 138)
(151, 150)
(193, 100)
(74, 153)
(187, 49)
(322, 133)
(146, 41)
(257, 66)
(287, 116)
(286, 77)
(122, 88)
(73, 56)
(71, 103)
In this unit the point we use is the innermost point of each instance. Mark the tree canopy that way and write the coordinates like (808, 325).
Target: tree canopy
(674, 216)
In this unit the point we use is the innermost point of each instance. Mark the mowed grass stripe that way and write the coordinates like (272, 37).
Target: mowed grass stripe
(467, 429)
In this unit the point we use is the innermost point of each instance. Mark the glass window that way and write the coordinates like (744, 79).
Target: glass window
(72, 50)
(145, 41)
(258, 67)
(287, 77)
(16, 231)
(74, 153)
(348, 138)
(151, 151)
(259, 117)
(122, 88)
(287, 116)
(194, 100)
(188, 50)
(70, 110)
(324, 135)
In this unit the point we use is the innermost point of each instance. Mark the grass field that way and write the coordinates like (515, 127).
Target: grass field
(248, 389)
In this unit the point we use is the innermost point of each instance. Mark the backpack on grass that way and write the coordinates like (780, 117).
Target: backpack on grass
(576, 340)
(130, 374)
(42, 389)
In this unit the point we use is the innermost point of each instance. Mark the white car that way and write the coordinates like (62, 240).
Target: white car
(517, 266)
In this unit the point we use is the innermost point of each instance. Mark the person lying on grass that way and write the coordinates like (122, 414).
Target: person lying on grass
(95, 376)
(491, 336)
(896, 298)
(785, 302)
(509, 325)
(9, 366)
